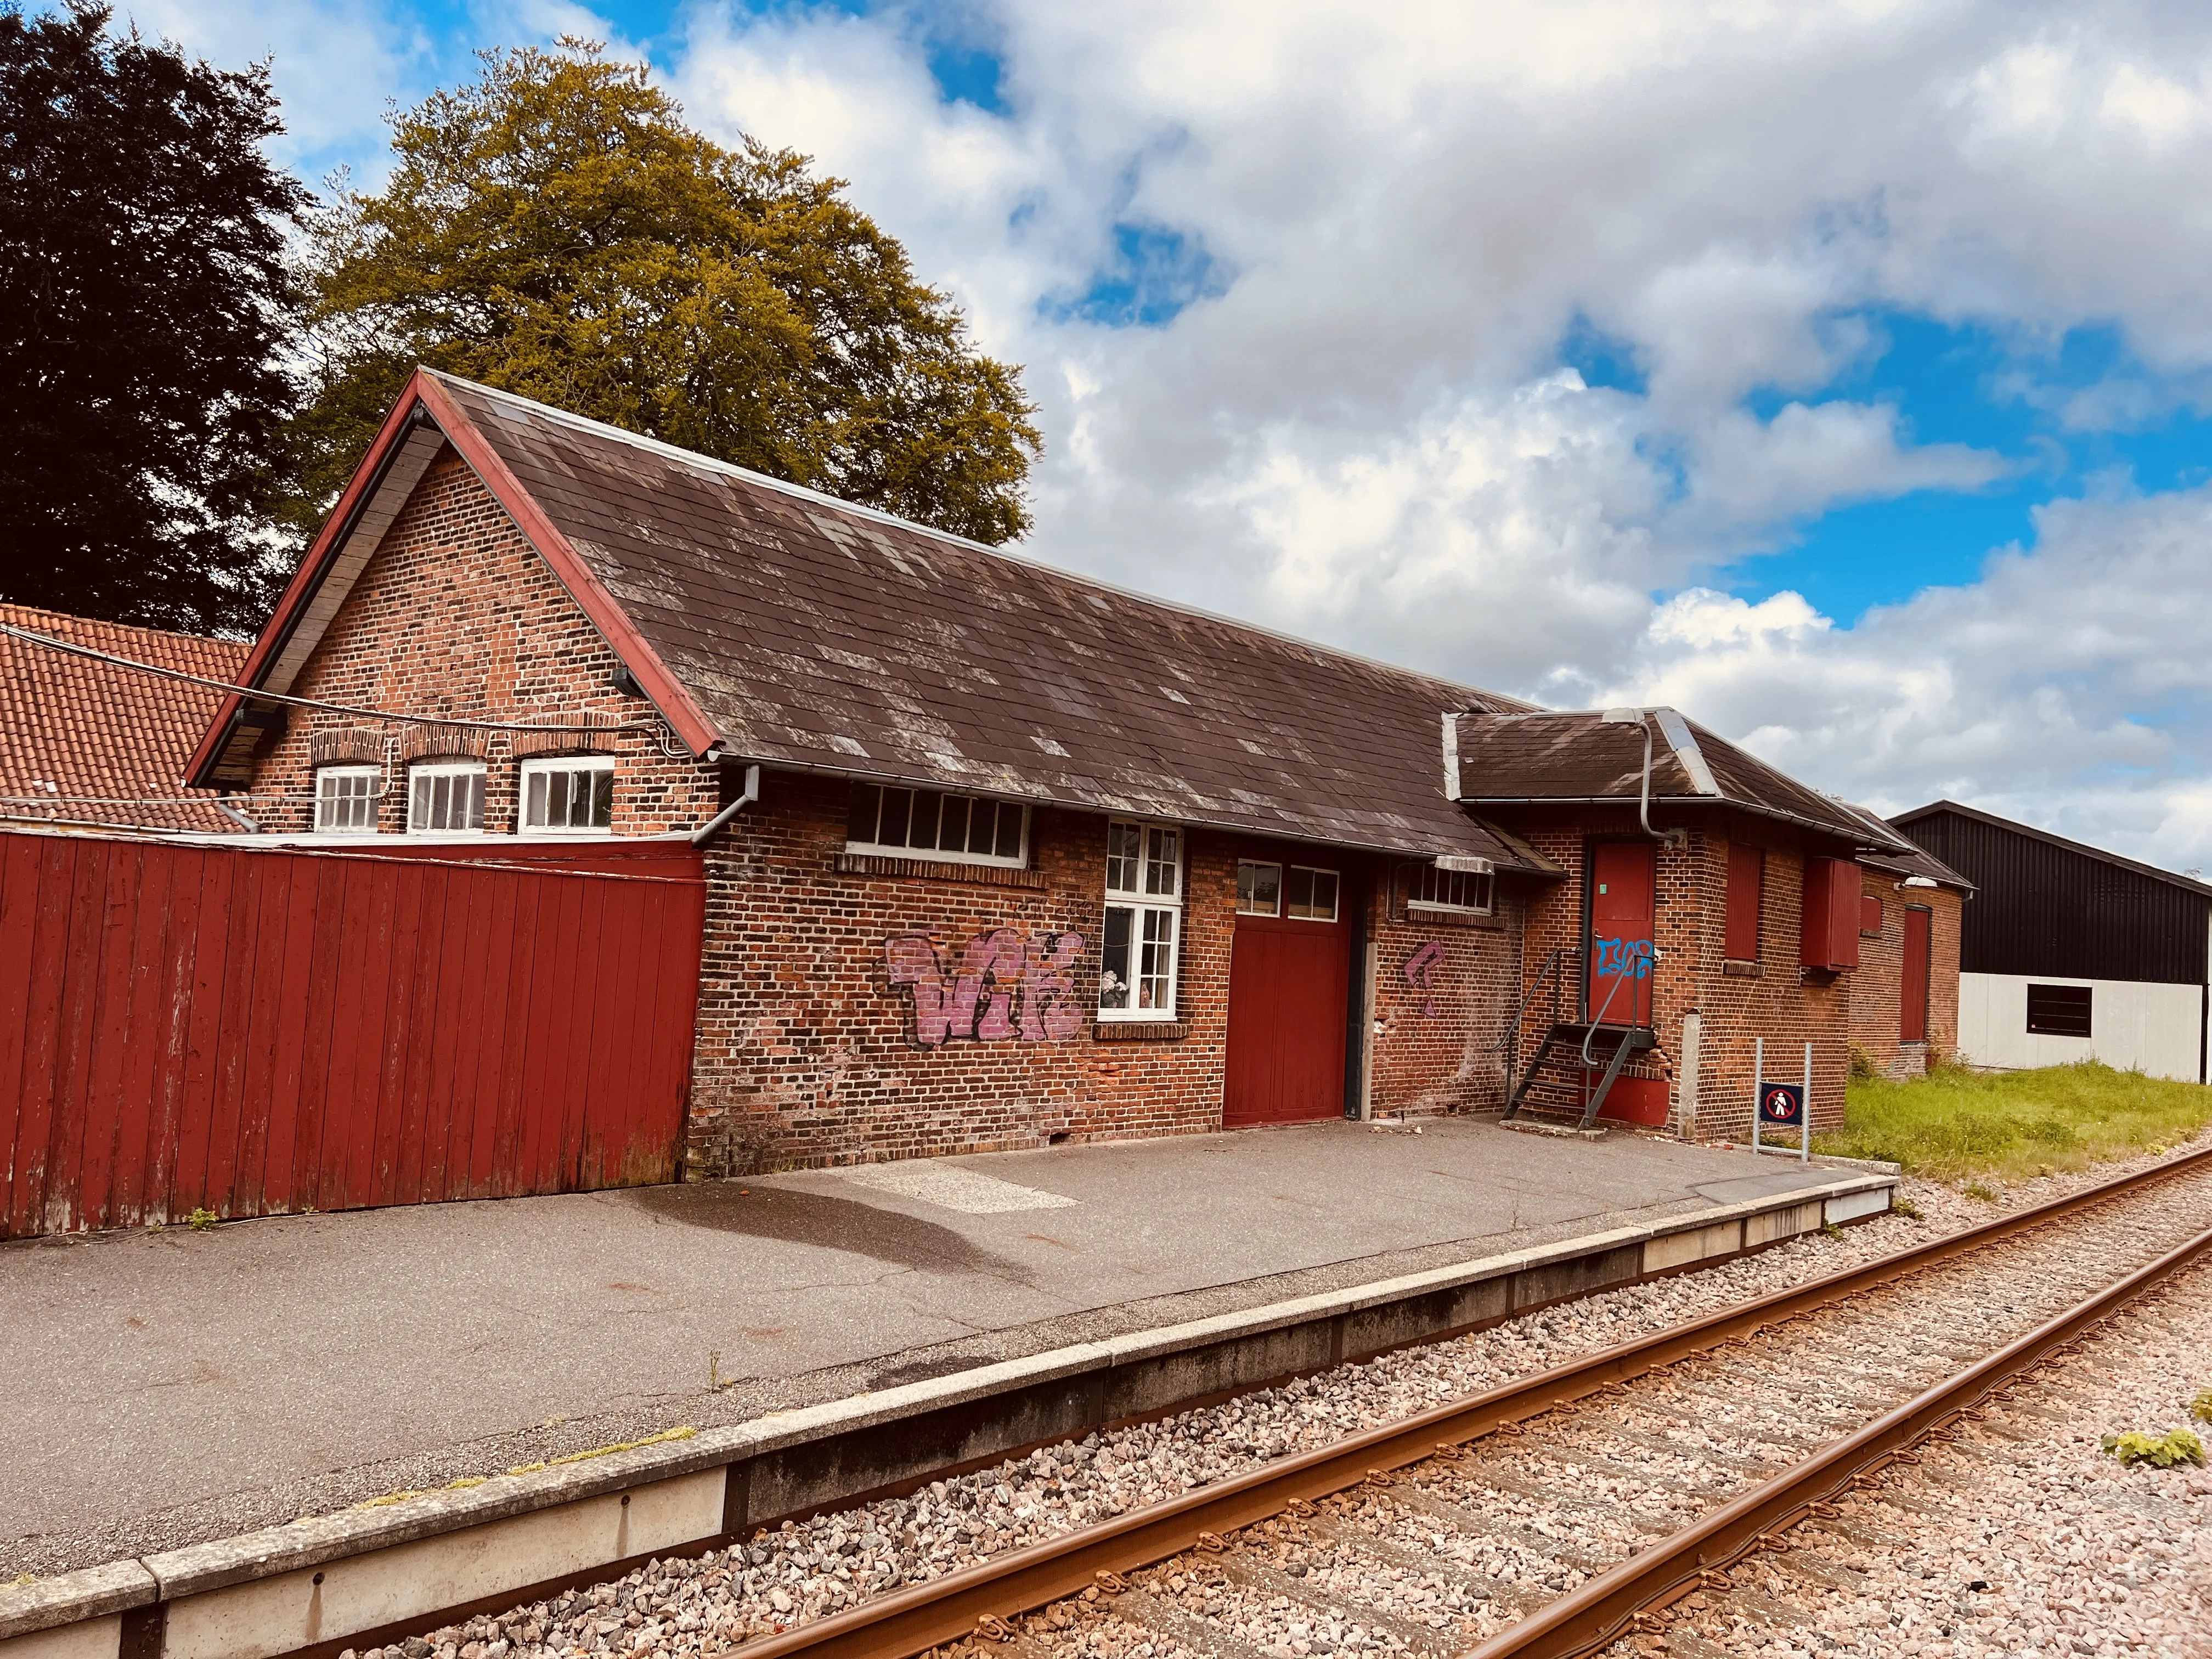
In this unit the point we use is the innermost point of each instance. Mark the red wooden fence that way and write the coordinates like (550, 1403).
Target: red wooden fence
(251, 1030)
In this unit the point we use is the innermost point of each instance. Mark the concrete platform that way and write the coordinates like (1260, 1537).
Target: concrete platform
(175, 1388)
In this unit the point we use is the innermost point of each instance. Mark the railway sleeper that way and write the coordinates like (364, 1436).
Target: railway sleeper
(1564, 1551)
(1499, 1592)
(1630, 1472)
(1512, 1480)
(1156, 1615)
(1424, 1639)
(1756, 1466)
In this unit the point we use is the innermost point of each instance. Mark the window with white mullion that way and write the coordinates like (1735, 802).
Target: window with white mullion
(937, 824)
(1142, 945)
(345, 799)
(446, 797)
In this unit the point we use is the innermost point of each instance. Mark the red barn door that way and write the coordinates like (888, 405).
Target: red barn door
(1912, 981)
(1289, 975)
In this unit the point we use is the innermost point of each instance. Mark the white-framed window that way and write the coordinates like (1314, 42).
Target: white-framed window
(1310, 895)
(574, 796)
(1259, 888)
(1470, 892)
(950, 828)
(345, 799)
(446, 797)
(1144, 919)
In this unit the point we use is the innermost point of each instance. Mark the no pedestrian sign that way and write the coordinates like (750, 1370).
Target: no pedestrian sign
(1781, 1105)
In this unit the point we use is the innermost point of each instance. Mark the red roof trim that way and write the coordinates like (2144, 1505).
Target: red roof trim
(422, 392)
(666, 690)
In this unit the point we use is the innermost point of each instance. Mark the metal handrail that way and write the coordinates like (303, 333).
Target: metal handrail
(1550, 963)
(1619, 980)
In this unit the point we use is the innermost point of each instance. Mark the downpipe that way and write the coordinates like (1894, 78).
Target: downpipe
(705, 832)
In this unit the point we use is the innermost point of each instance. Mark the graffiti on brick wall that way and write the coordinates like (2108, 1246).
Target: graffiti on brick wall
(1420, 970)
(1003, 986)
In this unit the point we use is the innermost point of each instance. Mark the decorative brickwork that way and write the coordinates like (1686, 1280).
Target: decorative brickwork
(1444, 987)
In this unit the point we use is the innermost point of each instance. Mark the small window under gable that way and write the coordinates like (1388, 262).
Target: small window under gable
(1470, 892)
(571, 796)
(345, 799)
(446, 797)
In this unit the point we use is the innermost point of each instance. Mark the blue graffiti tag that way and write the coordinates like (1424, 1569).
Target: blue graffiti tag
(1622, 959)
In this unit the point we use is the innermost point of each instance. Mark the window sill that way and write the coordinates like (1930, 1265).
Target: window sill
(981, 875)
(1140, 1030)
(1740, 970)
(1485, 920)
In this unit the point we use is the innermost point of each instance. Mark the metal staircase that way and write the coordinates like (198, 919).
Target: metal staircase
(1557, 1082)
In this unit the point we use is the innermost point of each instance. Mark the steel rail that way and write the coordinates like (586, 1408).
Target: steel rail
(1614, 1604)
(912, 1620)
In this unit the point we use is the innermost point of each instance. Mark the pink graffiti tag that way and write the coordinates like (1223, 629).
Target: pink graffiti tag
(1420, 972)
(978, 1002)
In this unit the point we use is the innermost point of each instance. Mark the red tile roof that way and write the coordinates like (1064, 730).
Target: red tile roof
(87, 742)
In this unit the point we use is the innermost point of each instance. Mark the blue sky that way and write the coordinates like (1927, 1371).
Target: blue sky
(1884, 445)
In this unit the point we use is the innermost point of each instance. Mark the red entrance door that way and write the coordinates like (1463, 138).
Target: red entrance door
(1624, 882)
(1912, 981)
(1289, 975)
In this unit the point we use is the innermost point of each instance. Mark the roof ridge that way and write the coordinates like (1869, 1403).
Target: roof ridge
(1061, 573)
(2187, 882)
(49, 615)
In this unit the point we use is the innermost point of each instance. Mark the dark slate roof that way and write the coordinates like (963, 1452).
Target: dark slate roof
(1905, 821)
(1549, 756)
(1919, 861)
(818, 635)
(85, 741)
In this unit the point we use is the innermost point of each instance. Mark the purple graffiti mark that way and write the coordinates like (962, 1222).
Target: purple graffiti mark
(1006, 985)
(1420, 972)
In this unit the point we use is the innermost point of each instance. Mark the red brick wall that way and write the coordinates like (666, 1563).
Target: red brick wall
(1735, 1007)
(1443, 988)
(1875, 987)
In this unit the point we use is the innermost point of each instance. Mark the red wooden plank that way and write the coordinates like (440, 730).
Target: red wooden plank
(684, 910)
(170, 1035)
(144, 1027)
(453, 1022)
(500, 1137)
(250, 1186)
(551, 942)
(43, 1036)
(22, 863)
(283, 1182)
(109, 965)
(233, 1031)
(319, 1156)
(195, 1113)
(645, 1153)
(569, 1033)
(355, 1053)
(606, 964)
(77, 1040)
(398, 1111)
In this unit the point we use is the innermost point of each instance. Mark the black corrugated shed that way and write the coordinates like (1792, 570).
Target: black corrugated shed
(2047, 905)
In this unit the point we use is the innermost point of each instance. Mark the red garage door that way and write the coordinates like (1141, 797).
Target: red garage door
(1289, 976)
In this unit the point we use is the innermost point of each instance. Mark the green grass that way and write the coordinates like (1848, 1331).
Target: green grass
(1954, 1124)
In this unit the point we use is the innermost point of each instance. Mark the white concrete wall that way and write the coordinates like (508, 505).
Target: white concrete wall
(2132, 1023)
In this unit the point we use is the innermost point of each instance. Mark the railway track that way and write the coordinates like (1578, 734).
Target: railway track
(1567, 1512)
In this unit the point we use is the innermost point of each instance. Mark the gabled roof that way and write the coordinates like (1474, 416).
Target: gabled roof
(769, 623)
(1918, 861)
(1905, 821)
(84, 742)
(1555, 757)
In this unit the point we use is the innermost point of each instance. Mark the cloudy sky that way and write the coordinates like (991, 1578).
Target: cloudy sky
(1840, 373)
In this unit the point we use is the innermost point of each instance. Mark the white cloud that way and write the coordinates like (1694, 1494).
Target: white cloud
(1365, 434)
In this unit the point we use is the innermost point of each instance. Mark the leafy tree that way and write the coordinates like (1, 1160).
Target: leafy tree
(555, 229)
(143, 301)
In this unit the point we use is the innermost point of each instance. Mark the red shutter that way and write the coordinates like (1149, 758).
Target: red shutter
(1870, 915)
(1746, 870)
(1830, 937)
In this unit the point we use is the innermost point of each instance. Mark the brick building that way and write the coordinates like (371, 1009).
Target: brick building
(1904, 996)
(998, 856)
